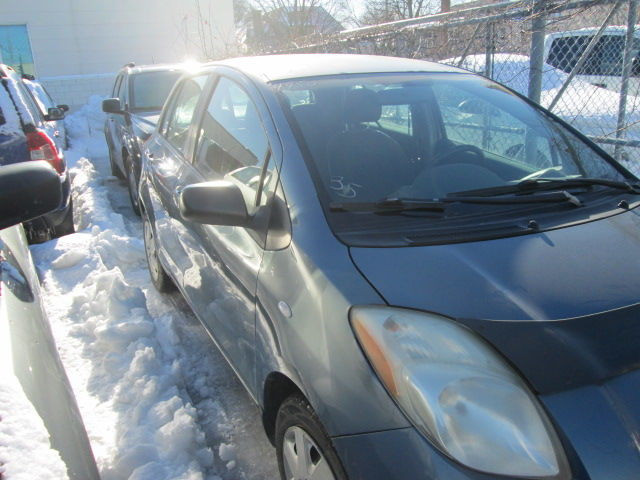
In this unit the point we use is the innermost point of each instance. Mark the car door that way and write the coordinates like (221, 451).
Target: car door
(119, 122)
(220, 283)
(111, 119)
(29, 352)
(165, 160)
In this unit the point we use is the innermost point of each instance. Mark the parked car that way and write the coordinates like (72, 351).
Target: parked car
(29, 190)
(603, 66)
(55, 128)
(138, 95)
(415, 272)
(25, 135)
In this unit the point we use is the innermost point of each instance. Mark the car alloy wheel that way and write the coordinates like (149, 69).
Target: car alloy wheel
(304, 450)
(303, 460)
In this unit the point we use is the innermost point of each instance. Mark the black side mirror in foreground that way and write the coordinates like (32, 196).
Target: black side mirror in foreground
(54, 113)
(28, 190)
(214, 203)
(64, 107)
(112, 105)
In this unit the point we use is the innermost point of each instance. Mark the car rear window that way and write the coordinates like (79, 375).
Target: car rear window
(149, 90)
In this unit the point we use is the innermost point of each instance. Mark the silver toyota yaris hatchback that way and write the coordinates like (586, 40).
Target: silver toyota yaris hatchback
(415, 272)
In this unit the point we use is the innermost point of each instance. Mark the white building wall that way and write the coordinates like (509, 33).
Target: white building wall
(72, 37)
(89, 37)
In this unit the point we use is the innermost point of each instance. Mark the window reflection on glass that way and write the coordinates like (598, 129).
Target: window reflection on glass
(15, 49)
(185, 105)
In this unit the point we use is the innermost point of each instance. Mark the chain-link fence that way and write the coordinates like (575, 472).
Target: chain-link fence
(577, 58)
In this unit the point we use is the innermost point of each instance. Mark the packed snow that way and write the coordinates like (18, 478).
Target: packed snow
(157, 398)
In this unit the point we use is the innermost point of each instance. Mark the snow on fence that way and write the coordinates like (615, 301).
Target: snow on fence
(577, 58)
(75, 90)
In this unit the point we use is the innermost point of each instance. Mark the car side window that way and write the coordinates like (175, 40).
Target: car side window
(232, 141)
(179, 121)
(31, 104)
(116, 86)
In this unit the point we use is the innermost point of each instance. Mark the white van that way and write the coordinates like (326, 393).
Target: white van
(603, 67)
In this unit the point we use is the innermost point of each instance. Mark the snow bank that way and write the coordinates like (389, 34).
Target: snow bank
(85, 127)
(124, 365)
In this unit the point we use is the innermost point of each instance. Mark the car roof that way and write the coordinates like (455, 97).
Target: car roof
(271, 68)
(611, 30)
(134, 69)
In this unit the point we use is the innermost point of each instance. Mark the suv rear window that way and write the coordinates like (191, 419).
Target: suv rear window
(604, 59)
(149, 90)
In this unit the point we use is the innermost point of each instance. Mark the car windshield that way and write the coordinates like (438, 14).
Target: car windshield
(149, 90)
(427, 136)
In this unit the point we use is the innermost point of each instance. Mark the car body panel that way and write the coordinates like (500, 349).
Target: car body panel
(13, 147)
(35, 360)
(525, 295)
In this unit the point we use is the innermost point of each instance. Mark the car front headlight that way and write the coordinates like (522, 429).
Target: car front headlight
(459, 392)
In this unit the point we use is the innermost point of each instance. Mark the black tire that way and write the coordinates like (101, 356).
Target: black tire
(38, 234)
(115, 170)
(159, 277)
(295, 412)
(66, 226)
(133, 185)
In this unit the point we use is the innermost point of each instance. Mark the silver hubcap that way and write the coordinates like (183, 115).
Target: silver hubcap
(150, 249)
(302, 458)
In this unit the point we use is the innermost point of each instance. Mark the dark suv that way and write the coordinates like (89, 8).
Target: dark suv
(138, 94)
(26, 133)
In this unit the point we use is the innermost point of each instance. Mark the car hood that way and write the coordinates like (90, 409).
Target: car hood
(562, 305)
(144, 123)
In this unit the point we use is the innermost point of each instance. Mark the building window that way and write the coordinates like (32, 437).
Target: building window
(15, 49)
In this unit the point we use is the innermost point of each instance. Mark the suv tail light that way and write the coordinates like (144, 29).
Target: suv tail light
(41, 147)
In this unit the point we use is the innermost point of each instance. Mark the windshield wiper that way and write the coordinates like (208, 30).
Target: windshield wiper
(394, 205)
(541, 184)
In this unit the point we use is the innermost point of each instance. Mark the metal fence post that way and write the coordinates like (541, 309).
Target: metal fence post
(489, 50)
(538, 24)
(627, 63)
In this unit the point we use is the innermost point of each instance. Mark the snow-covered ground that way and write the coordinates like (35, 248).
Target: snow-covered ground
(157, 398)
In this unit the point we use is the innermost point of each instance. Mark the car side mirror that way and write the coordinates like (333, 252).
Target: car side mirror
(64, 107)
(214, 203)
(28, 190)
(54, 113)
(112, 105)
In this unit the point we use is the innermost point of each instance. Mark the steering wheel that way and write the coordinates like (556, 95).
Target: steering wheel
(459, 149)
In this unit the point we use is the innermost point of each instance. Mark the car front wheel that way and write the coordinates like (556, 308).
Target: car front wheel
(303, 448)
(115, 170)
(159, 277)
(132, 182)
